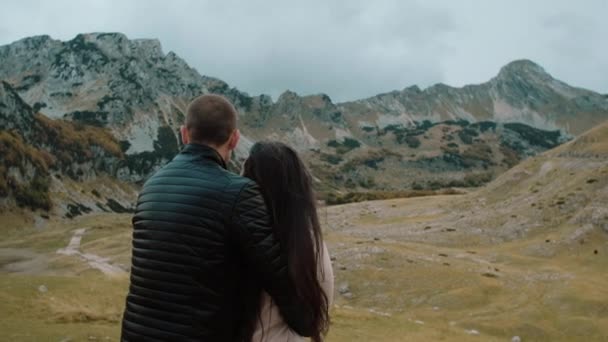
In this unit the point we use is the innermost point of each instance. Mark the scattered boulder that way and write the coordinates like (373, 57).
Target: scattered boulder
(376, 250)
(76, 209)
(117, 207)
(344, 288)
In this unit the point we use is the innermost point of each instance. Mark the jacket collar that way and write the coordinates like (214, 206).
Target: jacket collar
(206, 152)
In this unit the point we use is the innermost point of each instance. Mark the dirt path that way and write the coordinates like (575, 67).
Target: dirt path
(95, 261)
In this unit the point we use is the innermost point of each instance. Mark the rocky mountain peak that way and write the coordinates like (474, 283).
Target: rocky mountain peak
(319, 100)
(288, 96)
(412, 89)
(524, 68)
(34, 42)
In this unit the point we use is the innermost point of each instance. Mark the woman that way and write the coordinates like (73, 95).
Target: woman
(286, 186)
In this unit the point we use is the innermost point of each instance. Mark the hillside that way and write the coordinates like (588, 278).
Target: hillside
(561, 192)
(47, 164)
(416, 139)
(523, 256)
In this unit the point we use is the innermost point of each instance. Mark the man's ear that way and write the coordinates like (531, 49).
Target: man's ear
(184, 133)
(234, 139)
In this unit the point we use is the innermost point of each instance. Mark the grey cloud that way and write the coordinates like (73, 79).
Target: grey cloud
(347, 49)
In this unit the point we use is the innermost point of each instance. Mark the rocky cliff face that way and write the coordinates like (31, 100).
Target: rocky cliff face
(129, 86)
(423, 138)
(15, 114)
(40, 156)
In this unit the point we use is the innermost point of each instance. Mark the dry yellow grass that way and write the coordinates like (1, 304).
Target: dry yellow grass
(592, 142)
(525, 256)
(68, 136)
(401, 290)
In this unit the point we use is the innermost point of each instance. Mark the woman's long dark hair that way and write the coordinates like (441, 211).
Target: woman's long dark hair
(286, 185)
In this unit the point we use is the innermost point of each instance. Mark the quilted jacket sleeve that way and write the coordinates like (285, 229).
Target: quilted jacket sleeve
(262, 252)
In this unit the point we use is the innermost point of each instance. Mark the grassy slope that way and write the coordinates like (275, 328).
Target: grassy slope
(81, 303)
(395, 284)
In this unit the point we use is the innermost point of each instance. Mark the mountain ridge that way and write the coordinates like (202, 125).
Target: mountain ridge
(438, 137)
(520, 72)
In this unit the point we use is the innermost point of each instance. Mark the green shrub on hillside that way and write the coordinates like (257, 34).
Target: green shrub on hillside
(34, 195)
(481, 152)
(412, 141)
(354, 197)
(331, 158)
(471, 180)
(484, 126)
(478, 179)
(424, 125)
(511, 158)
(345, 146)
(87, 117)
(467, 135)
(165, 144)
(404, 134)
(14, 152)
(368, 129)
(367, 183)
(535, 136)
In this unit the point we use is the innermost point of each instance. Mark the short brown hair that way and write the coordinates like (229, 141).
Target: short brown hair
(211, 119)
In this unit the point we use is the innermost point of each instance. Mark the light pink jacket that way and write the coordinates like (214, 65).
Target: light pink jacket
(272, 328)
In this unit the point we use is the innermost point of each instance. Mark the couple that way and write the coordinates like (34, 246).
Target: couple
(223, 257)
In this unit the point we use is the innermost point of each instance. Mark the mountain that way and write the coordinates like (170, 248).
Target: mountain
(432, 138)
(522, 92)
(558, 195)
(42, 158)
(525, 255)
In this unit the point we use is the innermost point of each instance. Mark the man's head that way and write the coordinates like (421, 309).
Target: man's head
(211, 120)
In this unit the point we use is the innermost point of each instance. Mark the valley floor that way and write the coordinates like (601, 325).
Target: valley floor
(405, 270)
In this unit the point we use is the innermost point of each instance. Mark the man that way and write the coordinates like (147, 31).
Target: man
(197, 229)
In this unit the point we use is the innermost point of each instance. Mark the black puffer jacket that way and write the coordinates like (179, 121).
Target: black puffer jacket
(198, 229)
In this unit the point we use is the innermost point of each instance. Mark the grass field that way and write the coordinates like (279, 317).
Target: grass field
(401, 290)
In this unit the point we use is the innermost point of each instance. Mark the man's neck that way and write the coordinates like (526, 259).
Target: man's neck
(223, 151)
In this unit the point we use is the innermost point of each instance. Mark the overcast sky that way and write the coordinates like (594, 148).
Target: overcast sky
(348, 49)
